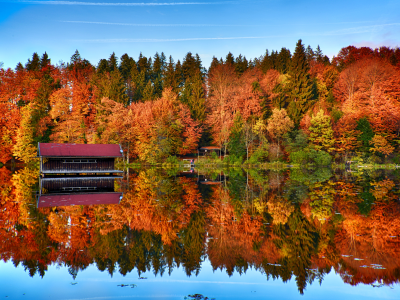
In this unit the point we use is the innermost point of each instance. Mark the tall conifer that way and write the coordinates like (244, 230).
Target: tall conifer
(300, 89)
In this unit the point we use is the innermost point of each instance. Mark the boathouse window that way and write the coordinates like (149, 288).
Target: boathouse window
(79, 161)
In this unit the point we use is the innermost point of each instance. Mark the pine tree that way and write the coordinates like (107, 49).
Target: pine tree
(144, 64)
(34, 64)
(138, 84)
(319, 55)
(148, 92)
(283, 61)
(158, 66)
(194, 97)
(191, 66)
(44, 61)
(230, 59)
(310, 55)
(113, 62)
(112, 86)
(300, 88)
(241, 64)
(266, 62)
(76, 57)
(19, 67)
(214, 63)
(127, 63)
(103, 66)
(169, 76)
(236, 144)
(179, 75)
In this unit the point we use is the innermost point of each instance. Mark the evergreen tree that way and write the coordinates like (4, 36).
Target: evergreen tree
(194, 97)
(230, 59)
(103, 66)
(214, 63)
(112, 85)
(34, 64)
(148, 92)
(138, 84)
(76, 57)
(170, 77)
(236, 144)
(310, 55)
(319, 56)
(266, 62)
(113, 62)
(158, 87)
(19, 67)
(158, 66)
(127, 63)
(241, 64)
(367, 133)
(191, 66)
(77, 63)
(144, 65)
(300, 89)
(44, 61)
(283, 60)
(179, 75)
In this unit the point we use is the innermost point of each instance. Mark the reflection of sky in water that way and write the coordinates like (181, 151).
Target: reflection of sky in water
(92, 284)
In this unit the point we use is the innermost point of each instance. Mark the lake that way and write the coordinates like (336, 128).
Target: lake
(201, 234)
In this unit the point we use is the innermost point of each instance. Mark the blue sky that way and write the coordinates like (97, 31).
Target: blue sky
(99, 27)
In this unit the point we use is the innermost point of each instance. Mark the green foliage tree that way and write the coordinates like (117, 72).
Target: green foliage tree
(126, 65)
(193, 96)
(103, 67)
(148, 92)
(236, 145)
(241, 64)
(300, 89)
(113, 62)
(34, 64)
(321, 132)
(283, 61)
(367, 133)
(112, 86)
(170, 77)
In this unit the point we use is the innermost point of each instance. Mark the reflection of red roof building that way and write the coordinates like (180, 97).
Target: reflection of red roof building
(77, 190)
(52, 200)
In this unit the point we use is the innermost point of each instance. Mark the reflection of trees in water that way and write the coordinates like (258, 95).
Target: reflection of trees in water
(297, 226)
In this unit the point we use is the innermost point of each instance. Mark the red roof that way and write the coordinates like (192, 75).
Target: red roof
(210, 148)
(79, 199)
(79, 150)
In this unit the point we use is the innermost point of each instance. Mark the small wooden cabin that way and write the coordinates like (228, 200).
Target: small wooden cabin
(78, 158)
(208, 150)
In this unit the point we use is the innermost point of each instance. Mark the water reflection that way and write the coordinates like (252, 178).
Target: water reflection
(294, 224)
(77, 190)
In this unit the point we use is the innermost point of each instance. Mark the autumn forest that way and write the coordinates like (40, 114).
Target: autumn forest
(299, 107)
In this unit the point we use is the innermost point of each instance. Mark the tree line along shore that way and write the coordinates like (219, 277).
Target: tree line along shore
(300, 107)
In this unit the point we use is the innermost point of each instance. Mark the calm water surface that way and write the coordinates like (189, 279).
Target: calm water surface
(228, 234)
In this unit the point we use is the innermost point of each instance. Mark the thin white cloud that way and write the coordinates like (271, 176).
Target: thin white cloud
(154, 25)
(360, 29)
(124, 4)
(172, 40)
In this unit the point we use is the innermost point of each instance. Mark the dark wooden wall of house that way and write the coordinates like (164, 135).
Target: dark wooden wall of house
(59, 166)
(63, 184)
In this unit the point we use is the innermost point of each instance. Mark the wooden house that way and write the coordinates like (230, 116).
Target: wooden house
(208, 150)
(78, 158)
